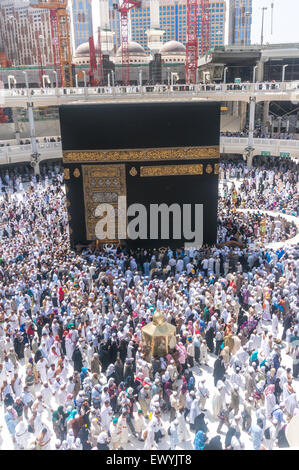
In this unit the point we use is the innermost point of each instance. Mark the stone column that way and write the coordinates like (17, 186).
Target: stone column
(265, 116)
(242, 114)
(16, 123)
(250, 147)
(35, 155)
(260, 71)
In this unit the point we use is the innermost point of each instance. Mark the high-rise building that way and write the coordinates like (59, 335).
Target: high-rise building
(173, 20)
(240, 19)
(25, 33)
(82, 21)
(114, 17)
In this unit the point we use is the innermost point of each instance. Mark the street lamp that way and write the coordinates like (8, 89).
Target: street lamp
(44, 77)
(262, 32)
(254, 73)
(26, 78)
(55, 73)
(76, 79)
(11, 79)
(205, 74)
(224, 75)
(284, 71)
(84, 75)
(112, 77)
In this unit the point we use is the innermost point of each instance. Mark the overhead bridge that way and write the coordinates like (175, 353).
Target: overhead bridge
(19, 97)
(228, 145)
(267, 147)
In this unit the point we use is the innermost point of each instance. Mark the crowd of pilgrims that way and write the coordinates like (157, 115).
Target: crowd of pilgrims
(73, 374)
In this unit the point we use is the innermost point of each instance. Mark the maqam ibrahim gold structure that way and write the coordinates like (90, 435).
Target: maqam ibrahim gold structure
(158, 337)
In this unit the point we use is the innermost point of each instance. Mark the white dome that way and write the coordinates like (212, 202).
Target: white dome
(134, 49)
(173, 48)
(82, 49)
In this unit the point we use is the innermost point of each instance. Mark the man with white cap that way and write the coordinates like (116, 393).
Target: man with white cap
(190, 396)
(106, 414)
(270, 433)
(148, 436)
(103, 441)
(249, 382)
(203, 393)
(235, 399)
(173, 434)
(58, 444)
(172, 370)
(144, 399)
(11, 419)
(217, 400)
(204, 352)
(123, 426)
(155, 401)
(174, 404)
(224, 416)
(157, 426)
(194, 412)
(42, 367)
(22, 435)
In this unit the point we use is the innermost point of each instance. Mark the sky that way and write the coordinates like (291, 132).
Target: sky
(285, 20)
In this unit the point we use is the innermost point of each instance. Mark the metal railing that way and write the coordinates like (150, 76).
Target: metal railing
(261, 142)
(152, 89)
(22, 153)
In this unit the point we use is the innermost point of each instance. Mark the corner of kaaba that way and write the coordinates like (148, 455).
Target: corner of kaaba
(151, 153)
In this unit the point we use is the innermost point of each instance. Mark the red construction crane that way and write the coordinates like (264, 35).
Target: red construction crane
(205, 26)
(124, 31)
(92, 61)
(100, 59)
(3, 116)
(192, 43)
(60, 32)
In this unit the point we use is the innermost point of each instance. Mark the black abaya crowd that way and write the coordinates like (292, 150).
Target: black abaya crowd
(72, 370)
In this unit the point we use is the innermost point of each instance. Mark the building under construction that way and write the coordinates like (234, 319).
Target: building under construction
(37, 34)
(25, 33)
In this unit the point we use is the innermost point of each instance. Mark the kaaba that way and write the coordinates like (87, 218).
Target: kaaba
(148, 155)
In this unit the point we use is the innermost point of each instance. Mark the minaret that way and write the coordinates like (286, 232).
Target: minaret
(155, 34)
(106, 33)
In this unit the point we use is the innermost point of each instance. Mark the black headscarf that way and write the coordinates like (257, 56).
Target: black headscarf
(214, 444)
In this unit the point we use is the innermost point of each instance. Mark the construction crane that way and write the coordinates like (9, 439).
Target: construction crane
(60, 32)
(100, 59)
(205, 26)
(3, 116)
(124, 9)
(192, 42)
(92, 61)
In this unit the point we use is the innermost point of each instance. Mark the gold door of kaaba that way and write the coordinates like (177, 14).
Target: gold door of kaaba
(102, 184)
